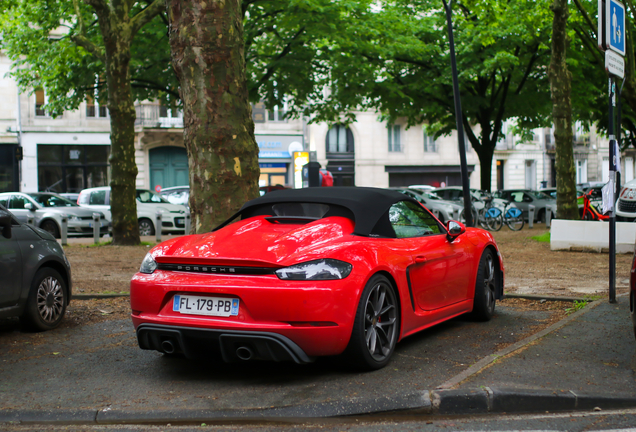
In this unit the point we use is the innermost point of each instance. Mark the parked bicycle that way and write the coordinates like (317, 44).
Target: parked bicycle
(589, 210)
(513, 216)
(492, 217)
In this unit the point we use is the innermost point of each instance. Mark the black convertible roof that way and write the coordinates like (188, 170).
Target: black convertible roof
(367, 206)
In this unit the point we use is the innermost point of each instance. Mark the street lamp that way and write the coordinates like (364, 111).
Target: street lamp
(458, 119)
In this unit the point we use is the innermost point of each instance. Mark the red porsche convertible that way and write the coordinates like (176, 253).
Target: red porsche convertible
(301, 273)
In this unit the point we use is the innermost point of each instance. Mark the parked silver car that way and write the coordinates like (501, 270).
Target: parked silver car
(47, 210)
(36, 276)
(524, 198)
(443, 209)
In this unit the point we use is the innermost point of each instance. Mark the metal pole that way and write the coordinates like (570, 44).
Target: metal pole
(459, 120)
(96, 227)
(187, 222)
(64, 233)
(19, 140)
(158, 226)
(612, 179)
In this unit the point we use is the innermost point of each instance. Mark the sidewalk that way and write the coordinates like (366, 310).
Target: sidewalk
(587, 361)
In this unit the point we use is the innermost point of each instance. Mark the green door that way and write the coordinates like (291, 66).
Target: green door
(168, 167)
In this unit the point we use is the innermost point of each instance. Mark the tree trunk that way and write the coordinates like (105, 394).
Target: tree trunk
(115, 29)
(560, 87)
(485, 154)
(206, 39)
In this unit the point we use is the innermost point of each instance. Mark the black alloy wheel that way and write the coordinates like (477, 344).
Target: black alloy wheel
(375, 329)
(486, 287)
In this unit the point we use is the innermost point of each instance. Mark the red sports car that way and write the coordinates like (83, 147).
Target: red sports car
(301, 273)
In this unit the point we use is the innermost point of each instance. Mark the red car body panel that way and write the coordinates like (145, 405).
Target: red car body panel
(434, 279)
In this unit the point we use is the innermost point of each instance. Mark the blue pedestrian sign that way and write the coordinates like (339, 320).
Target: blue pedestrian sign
(615, 26)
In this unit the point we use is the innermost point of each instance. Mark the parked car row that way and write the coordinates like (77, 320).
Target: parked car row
(47, 210)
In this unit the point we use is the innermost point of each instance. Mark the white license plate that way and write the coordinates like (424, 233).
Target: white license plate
(199, 305)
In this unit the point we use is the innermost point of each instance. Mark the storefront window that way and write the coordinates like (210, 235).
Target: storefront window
(71, 168)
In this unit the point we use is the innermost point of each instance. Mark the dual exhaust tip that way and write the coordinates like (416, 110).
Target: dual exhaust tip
(244, 353)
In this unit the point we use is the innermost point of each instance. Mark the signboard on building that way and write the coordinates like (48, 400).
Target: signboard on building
(277, 146)
(300, 159)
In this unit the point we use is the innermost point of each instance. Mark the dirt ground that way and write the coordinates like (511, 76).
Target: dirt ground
(531, 268)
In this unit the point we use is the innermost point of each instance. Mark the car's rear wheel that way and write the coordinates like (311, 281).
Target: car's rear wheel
(51, 227)
(486, 287)
(146, 228)
(376, 325)
(47, 301)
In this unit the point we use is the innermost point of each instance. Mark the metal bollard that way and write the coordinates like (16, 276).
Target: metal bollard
(96, 227)
(456, 214)
(187, 222)
(30, 219)
(530, 216)
(436, 213)
(64, 233)
(548, 216)
(158, 225)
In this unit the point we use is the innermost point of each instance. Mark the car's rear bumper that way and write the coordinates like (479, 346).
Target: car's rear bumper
(316, 315)
(230, 345)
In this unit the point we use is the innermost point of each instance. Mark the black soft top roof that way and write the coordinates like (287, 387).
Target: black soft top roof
(367, 206)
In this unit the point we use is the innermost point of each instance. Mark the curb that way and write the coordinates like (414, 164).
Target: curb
(97, 296)
(428, 402)
(547, 298)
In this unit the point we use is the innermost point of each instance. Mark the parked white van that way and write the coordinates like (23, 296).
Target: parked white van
(148, 203)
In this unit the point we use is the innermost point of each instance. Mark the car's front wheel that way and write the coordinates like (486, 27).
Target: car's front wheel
(376, 325)
(47, 301)
(146, 228)
(51, 227)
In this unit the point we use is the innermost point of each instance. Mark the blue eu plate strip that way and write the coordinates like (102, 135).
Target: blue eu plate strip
(175, 304)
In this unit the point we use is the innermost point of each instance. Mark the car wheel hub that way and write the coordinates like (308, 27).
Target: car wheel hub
(381, 322)
(50, 299)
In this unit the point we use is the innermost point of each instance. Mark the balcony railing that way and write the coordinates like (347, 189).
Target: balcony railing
(156, 116)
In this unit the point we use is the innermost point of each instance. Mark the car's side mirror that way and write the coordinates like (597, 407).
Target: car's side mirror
(29, 206)
(455, 229)
(5, 223)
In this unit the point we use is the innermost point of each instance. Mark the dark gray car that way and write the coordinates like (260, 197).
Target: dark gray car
(35, 281)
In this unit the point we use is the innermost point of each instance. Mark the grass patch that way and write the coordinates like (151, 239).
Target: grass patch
(104, 243)
(578, 305)
(543, 238)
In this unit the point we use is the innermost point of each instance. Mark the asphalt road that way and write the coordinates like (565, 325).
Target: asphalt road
(100, 366)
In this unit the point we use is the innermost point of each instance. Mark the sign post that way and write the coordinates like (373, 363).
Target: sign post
(611, 32)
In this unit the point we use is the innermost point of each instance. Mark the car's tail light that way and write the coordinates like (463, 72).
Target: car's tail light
(323, 269)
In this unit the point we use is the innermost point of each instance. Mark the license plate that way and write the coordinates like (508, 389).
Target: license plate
(199, 305)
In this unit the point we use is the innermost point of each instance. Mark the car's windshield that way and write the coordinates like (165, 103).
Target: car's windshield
(146, 196)
(50, 200)
(431, 196)
(539, 195)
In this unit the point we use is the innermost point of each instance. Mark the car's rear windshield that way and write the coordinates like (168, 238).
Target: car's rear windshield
(146, 196)
(50, 200)
(299, 209)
